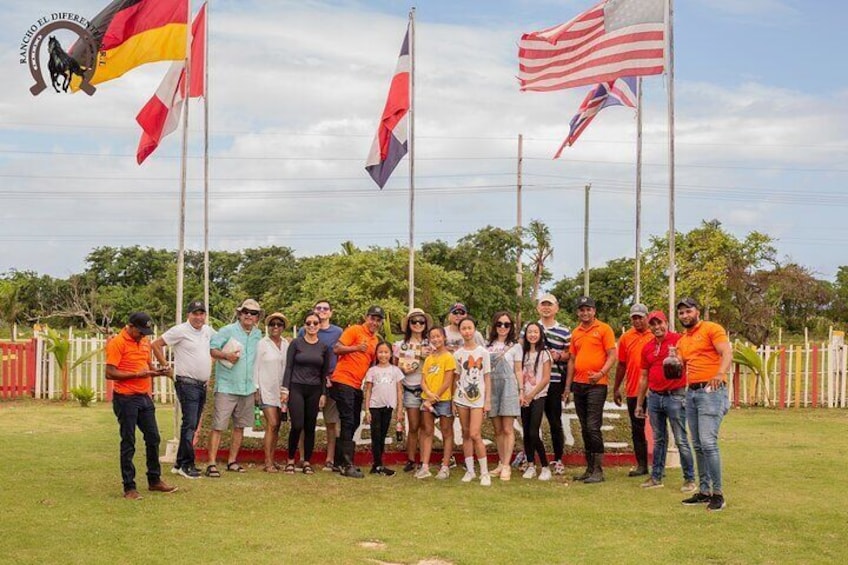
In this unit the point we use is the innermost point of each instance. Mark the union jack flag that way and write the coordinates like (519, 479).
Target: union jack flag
(620, 92)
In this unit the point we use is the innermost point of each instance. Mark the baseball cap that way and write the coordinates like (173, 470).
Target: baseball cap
(195, 306)
(657, 315)
(249, 304)
(142, 322)
(548, 298)
(638, 310)
(585, 301)
(376, 311)
(458, 306)
(688, 302)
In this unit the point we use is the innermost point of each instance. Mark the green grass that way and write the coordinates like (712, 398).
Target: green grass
(60, 501)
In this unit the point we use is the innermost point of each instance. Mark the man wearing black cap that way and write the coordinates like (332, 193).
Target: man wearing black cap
(193, 366)
(454, 339)
(356, 350)
(592, 351)
(130, 366)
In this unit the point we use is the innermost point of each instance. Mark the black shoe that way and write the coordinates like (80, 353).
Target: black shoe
(716, 503)
(638, 472)
(386, 472)
(352, 473)
(696, 499)
(374, 471)
(409, 467)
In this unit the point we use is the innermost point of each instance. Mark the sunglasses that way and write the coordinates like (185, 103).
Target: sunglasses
(459, 312)
(310, 324)
(322, 308)
(250, 312)
(276, 325)
(503, 324)
(418, 321)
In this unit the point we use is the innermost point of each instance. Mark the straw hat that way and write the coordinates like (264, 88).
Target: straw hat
(277, 316)
(419, 312)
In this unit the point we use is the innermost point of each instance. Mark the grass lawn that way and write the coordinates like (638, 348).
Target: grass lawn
(60, 502)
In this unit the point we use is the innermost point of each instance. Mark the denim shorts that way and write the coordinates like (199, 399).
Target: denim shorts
(411, 399)
(443, 409)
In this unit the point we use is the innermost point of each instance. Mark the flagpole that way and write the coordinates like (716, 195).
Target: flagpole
(411, 115)
(672, 266)
(638, 270)
(206, 160)
(519, 273)
(586, 241)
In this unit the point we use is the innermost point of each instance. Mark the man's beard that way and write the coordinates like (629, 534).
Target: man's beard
(689, 324)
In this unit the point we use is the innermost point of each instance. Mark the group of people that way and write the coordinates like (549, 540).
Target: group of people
(431, 373)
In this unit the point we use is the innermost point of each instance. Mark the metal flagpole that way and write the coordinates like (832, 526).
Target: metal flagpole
(411, 114)
(638, 271)
(206, 161)
(586, 243)
(672, 266)
(519, 273)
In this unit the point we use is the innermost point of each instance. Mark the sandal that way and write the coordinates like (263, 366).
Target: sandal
(289, 470)
(271, 469)
(212, 471)
(277, 466)
(234, 467)
(307, 469)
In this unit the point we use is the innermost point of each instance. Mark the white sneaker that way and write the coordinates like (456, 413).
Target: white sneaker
(469, 476)
(689, 486)
(444, 473)
(423, 473)
(530, 473)
(545, 475)
(486, 480)
(559, 468)
(498, 470)
(175, 470)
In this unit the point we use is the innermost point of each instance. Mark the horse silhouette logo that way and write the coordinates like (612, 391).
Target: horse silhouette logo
(61, 66)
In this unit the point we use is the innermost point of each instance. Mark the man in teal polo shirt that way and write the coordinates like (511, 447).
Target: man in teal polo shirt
(234, 349)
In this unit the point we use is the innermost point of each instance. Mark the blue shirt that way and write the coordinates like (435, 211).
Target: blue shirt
(238, 379)
(328, 337)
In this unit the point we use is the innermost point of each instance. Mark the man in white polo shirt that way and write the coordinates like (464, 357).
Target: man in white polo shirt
(193, 367)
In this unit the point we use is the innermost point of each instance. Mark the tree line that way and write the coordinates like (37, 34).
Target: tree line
(739, 282)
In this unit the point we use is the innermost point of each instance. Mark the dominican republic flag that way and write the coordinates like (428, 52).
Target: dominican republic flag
(161, 115)
(390, 142)
(620, 92)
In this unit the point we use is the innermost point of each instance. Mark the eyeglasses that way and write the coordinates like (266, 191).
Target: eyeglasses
(418, 321)
(322, 308)
(276, 325)
(250, 312)
(459, 312)
(503, 324)
(310, 324)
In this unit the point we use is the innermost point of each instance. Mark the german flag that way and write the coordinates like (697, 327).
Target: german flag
(130, 33)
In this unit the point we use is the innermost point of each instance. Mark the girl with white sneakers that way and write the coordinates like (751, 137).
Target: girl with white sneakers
(472, 399)
(534, 371)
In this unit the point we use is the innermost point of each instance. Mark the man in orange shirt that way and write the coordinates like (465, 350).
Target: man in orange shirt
(592, 352)
(130, 366)
(630, 370)
(356, 350)
(706, 354)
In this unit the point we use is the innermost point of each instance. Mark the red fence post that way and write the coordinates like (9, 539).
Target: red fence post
(736, 386)
(31, 348)
(4, 371)
(782, 396)
(815, 365)
(20, 370)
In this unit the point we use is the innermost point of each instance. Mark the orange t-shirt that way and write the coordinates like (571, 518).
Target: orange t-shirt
(126, 354)
(630, 352)
(589, 348)
(697, 348)
(351, 367)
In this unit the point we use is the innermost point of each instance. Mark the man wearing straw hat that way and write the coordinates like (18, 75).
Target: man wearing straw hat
(234, 348)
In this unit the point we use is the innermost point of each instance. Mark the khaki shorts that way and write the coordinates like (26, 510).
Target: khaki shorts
(331, 412)
(237, 407)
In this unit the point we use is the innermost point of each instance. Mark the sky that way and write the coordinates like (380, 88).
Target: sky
(297, 88)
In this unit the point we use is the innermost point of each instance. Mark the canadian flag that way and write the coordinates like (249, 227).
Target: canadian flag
(161, 115)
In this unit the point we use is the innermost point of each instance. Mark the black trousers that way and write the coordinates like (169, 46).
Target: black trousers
(589, 404)
(531, 422)
(349, 402)
(637, 432)
(303, 411)
(381, 419)
(137, 410)
(553, 413)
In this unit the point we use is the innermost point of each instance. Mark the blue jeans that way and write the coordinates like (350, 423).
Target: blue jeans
(671, 409)
(705, 411)
(192, 397)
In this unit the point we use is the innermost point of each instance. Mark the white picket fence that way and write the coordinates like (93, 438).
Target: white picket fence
(829, 380)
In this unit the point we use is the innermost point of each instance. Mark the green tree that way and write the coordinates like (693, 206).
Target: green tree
(611, 287)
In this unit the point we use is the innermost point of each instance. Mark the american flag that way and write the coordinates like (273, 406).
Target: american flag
(620, 92)
(615, 38)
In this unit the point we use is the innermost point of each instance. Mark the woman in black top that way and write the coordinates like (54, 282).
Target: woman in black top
(304, 389)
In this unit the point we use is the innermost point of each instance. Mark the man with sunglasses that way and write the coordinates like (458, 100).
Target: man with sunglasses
(234, 349)
(453, 339)
(328, 334)
(356, 350)
(558, 338)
